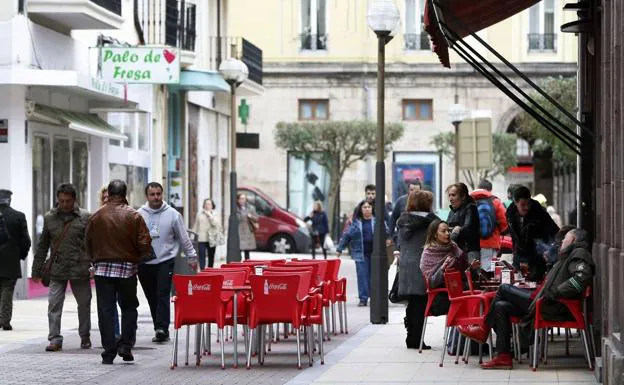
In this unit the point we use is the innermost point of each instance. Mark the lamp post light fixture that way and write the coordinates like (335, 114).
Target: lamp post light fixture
(383, 18)
(234, 72)
(457, 113)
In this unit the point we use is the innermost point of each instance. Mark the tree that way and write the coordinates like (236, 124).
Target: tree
(335, 145)
(563, 90)
(504, 156)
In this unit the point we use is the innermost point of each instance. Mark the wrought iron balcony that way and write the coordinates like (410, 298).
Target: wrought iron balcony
(76, 14)
(542, 42)
(224, 47)
(313, 42)
(170, 22)
(416, 41)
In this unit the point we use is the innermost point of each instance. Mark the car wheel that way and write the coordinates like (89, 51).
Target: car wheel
(282, 244)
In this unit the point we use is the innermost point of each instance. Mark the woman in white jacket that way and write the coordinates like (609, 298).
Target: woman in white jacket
(209, 233)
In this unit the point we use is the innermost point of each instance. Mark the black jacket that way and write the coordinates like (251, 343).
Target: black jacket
(397, 210)
(18, 246)
(467, 217)
(536, 228)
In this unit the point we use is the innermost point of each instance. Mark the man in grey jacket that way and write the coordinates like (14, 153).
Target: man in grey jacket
(168, 236)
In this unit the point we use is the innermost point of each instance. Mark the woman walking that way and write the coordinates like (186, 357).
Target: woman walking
(209, 233)
(319, 228)
(360, 237)
(412, 232)
(247, 224)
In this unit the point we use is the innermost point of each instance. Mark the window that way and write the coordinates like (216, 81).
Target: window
(136, 179)
(80, 170)
(61, 157)
(135, 126)
(522, 148)
(313, 25)
(415, 38)
(41, 177)
(542, 35)
(313, 109)
(417, 109)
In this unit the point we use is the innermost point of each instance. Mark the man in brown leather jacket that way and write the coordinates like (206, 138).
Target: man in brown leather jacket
(116, 240)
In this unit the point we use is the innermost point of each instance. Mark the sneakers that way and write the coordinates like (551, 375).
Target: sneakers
(85, 343)
(7, 327)
(362, 304)
(501, 361)
(54, 347)
(161, 336)
(126, 354)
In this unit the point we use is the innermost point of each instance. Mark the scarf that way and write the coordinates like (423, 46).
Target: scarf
(434, 255)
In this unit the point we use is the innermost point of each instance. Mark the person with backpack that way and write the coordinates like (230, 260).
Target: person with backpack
(492, 222)
(14, 247)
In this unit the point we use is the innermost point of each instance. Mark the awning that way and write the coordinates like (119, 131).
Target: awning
(77, 121)
(465, 17)
(196, 80)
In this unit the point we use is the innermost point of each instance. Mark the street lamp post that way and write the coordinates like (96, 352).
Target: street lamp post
(457, 113)
(382, 18)
(234, 72)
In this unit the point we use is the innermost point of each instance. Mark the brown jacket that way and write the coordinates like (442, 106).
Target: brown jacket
(117, 233)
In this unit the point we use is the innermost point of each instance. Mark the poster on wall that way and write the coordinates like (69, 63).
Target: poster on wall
(308, 182)
(421, 166)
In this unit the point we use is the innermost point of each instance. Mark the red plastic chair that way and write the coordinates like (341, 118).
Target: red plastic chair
(465, 310)
(575, 307)
(340, 297)
(198, 300)
(431, 296)
(276, 299)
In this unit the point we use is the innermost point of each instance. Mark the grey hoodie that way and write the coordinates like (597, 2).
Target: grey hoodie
(167, 231)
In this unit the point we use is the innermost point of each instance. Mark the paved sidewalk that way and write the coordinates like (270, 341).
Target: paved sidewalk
(370, 354)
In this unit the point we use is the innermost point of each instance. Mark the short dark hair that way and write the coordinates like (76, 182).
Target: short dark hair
(485, 185)
(521, 192)
(214, 206)
(369, 187)
(66, 188)
(511, 189)
(153, 185)
(461, 187)
(358, 210)
(117, 188)
(415, 182)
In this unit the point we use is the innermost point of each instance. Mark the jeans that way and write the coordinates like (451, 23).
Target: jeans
(203, 247)
(7, 286)
(486, 258)
(81, 288)
(156, 283)
(109, 292)
(363, 270)
(510, 301)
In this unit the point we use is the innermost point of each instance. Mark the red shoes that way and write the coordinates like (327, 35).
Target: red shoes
(501, 361)
(475, 332)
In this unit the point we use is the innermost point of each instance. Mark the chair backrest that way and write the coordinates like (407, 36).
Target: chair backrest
(315, 269)
(321, 268)
(453, 283)
(274, 298)
(305, 283)
(198, 299)
(333, 268)
(231, 277)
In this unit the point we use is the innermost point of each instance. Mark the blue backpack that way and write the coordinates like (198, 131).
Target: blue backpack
(487, 217)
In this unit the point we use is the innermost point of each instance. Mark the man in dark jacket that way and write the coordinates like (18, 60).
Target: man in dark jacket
(530, 227)
(14, 246)
(567, 280)
(63, 234)
(464, 221)
(399, 207)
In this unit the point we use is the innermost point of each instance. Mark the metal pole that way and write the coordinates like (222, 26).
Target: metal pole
(379, 268)
(456, 124)
(233, 241)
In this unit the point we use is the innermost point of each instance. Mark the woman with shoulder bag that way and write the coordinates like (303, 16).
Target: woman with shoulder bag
(247, 224)
(319, 228)
(209, 233)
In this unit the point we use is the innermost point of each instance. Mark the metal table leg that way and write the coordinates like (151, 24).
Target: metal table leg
(235, 327)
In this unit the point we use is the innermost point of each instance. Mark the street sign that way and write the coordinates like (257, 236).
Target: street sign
(475, 144)
(148, 65)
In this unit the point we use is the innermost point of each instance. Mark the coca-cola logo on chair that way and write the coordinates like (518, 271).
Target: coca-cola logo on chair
(278, 286)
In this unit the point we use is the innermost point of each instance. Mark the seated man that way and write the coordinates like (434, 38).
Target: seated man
(568, 279)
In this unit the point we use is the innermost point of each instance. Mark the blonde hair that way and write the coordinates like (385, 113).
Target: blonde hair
(319, 204)
(103, 190)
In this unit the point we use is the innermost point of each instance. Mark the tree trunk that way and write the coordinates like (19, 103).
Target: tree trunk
(332, 206)
(543, 173)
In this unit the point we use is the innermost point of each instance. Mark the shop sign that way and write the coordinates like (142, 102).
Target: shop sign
(4, 130)
(150, 65)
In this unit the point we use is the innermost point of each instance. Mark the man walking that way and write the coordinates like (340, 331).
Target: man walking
(168, 234)
(116, 240)
(14, 246)
(63, 234)
(492, 222)
(399, 206)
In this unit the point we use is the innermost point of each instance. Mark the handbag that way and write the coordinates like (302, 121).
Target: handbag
(253, 225)
(393, 295)
(47, 265)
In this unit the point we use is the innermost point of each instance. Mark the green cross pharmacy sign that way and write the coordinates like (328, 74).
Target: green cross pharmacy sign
(150, 65)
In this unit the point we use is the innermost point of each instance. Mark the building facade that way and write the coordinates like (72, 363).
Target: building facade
(320, 64)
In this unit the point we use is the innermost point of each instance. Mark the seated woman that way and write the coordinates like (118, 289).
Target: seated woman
(440, 254)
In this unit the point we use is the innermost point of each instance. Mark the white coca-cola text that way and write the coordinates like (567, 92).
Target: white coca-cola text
(204, 287)
(278, 286)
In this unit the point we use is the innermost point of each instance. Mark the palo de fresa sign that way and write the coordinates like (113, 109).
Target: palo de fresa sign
(151, 65)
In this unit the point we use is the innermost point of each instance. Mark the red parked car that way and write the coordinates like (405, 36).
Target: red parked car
(280, 231)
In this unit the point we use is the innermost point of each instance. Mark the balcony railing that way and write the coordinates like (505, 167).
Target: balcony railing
(542, 42)
(111, 5)
(224, 47)
(168, 22)
(416, 41)
(313, 42)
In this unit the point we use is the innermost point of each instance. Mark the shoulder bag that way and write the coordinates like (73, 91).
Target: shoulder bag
(47, 265)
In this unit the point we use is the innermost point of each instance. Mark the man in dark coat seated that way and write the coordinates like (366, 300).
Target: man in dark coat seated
(568, 279)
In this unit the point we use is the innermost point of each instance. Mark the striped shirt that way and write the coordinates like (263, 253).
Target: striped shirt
(116, 269)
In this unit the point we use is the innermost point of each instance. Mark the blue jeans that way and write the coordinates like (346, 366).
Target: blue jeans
(363, 269)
